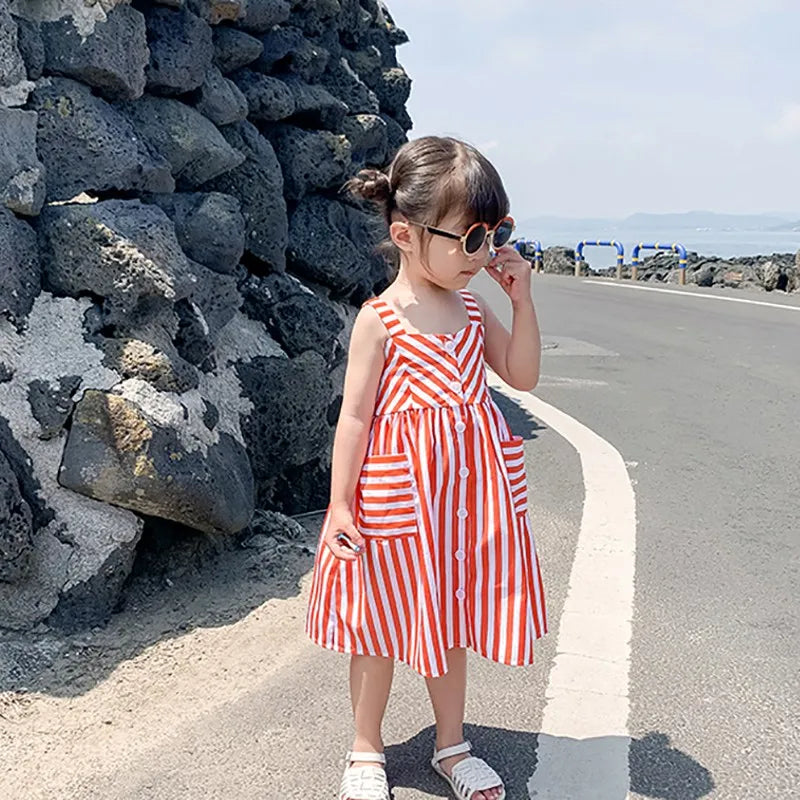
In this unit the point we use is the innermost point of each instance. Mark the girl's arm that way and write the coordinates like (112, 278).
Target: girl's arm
(515, 357)
(364, 366)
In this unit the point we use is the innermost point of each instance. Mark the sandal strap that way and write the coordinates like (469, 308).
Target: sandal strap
(364, 783)
(474, 775)
(356, 755)
(453, 750)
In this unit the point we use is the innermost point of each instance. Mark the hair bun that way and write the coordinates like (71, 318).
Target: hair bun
(371, 184)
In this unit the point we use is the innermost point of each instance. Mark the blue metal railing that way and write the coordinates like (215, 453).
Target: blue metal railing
(579, 260)
(675, 247)
(522, 246)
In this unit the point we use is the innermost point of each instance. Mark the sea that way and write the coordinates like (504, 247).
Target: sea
(726, 244)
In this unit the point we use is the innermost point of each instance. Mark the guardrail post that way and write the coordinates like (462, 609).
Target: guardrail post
(635, 261)
(586, 243)
(675, 247)
(578, 258)
(682, 262)
(538, 256)
(521, 246)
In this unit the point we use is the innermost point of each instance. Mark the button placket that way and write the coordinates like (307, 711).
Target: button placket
(460, 554)
(462, 514)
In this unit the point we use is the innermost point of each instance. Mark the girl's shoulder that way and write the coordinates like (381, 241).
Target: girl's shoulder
(392, 312)
(476, 298)
(368, 326)
(383, 310)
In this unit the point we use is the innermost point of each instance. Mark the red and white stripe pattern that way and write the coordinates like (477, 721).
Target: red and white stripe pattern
(387, 497)
(441, 501)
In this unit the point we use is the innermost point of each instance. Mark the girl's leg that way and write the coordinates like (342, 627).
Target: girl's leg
(370, 682)
(448, 696)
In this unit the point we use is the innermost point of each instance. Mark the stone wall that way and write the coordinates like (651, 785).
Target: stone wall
(179, 271)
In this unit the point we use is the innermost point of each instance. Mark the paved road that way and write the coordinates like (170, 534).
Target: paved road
(701, 399)
(703, 395)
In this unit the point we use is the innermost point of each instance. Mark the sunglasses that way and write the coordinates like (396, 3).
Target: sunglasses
(476, 236)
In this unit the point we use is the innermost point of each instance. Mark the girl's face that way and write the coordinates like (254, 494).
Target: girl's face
(442, 260)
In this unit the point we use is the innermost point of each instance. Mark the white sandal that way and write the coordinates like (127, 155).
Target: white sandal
(469, 775)
(364, 783)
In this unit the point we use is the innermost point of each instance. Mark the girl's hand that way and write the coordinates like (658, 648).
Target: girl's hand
(341, 521)
(514, 276)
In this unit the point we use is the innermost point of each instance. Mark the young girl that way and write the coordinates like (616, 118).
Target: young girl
(426, 547)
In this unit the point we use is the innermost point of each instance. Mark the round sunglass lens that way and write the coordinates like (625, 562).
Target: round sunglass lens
(475, 239)
(503, 233)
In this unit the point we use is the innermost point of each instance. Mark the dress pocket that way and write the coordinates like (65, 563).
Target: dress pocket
(514, 457)
(388, 497)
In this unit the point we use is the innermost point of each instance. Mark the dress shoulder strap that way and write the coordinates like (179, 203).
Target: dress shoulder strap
(473, 309)
(387, 314)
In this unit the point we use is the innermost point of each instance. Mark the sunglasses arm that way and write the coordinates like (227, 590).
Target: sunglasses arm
(447, 234)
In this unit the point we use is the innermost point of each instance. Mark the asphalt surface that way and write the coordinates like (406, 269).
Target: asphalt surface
(701, 397)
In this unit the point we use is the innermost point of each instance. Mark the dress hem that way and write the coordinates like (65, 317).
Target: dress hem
(354, 651)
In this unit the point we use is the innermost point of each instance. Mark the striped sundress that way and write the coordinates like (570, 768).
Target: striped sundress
(441, 501)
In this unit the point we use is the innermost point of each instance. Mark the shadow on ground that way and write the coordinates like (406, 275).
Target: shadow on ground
(182, 580)
(521, 422)
(657, 770)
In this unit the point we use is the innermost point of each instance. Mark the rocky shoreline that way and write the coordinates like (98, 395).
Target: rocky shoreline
(775, 272)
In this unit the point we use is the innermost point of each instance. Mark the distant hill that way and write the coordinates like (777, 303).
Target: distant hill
(787, 226)
(691, 220)
(688, 220)
(565, 223)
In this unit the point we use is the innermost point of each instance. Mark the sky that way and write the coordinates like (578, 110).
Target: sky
(603, 108)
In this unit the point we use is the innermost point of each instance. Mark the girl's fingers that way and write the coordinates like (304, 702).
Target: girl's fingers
(339, 550)
(355, 537)
(343, 553)
(352, 533)
(507, 253)
(500, 277)
(494, 272)
(503, 253)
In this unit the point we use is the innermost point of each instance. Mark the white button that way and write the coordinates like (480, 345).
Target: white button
(455, 386)
(462, 513)
(463, 472)
(450, 346)
(460, 555)
(460, 427)
(460, 594)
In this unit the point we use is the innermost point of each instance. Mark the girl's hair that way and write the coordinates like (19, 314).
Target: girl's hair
(430, 177)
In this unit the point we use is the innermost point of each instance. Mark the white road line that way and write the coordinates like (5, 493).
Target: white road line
(564, 381)
(694, 294)
(584, 740)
